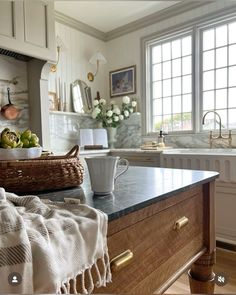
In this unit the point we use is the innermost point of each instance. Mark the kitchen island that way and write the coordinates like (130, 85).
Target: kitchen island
(161, 223)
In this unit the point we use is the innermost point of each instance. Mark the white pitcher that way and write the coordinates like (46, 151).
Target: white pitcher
(102, 171)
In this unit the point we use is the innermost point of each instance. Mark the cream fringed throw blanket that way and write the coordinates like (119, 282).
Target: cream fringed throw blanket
(51, 246)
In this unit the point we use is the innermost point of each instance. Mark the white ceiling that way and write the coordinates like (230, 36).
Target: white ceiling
(109, 15)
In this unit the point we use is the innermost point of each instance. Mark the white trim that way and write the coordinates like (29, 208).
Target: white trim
(82, 27)
(229, 241)
(133, 26)
(155, 17)
(226, 234)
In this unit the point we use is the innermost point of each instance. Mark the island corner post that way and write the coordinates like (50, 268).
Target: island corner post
(201, 275)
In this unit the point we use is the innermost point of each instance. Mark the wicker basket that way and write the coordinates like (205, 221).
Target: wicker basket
(45, 173)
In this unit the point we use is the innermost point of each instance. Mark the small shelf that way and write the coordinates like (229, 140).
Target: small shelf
(69, 114)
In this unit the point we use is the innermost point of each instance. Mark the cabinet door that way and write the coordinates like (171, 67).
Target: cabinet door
(39, 26)
(36, 21)
(7, 19)
(11, 23)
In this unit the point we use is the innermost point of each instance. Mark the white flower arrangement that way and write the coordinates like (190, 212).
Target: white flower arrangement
(111, 116)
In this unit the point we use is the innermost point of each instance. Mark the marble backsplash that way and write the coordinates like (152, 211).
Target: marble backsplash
(64, 130)
(11, 68)
(64, 133)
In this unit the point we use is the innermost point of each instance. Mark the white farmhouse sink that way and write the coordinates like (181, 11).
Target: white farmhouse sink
(221, 160)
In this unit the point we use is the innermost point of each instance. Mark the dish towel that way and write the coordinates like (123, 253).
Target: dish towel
(53, 247)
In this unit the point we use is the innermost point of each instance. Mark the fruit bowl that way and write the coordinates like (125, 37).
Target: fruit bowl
(20, 153)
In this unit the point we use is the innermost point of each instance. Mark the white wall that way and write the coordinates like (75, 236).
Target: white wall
(74, 61)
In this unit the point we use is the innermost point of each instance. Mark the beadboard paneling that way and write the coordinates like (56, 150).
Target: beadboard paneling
(77, 48)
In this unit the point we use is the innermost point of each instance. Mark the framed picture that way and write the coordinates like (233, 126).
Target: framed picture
(123, 81)
(53, 101)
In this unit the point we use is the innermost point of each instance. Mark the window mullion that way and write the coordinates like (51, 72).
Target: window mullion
(227, 93)
(197, 79)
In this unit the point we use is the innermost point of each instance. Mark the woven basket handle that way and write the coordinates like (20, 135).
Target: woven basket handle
(73, 152)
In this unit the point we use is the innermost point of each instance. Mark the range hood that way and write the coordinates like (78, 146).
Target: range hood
(15, 55)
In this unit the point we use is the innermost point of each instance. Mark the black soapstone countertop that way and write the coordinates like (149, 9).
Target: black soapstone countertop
(135, 189)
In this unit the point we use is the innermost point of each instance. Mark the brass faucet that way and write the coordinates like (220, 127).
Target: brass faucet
(219, 136)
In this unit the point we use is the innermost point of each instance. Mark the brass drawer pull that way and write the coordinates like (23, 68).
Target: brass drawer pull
(121, 260)
(181, 223)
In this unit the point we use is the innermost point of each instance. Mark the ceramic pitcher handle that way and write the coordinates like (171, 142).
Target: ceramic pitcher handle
(125, 168)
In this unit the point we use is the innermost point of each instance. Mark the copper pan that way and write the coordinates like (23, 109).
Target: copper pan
(10, 111)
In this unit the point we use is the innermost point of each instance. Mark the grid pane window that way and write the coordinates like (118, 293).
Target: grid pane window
(172, 84)
(219, 74)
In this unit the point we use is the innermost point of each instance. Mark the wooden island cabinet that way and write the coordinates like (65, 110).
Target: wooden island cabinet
(160, 224)
(166, 239)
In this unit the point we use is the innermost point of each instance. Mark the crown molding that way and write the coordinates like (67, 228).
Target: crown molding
(133, 26)
(80, 26)
(155, 17)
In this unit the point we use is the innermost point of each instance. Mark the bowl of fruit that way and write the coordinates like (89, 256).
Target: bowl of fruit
(16, 145)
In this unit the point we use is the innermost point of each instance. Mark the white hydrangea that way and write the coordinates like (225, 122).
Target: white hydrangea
(121, 117)
(131, 110)
(95, 102)
(116, 110)
(95, 112)
(126, 113)
(109, 121)
(116, 118)
(133, 103)
(126, 99)
(109, 113)
(102, 101)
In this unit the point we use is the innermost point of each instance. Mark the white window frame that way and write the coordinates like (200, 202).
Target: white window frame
(172, 37)
(200, 29)
(196, 29)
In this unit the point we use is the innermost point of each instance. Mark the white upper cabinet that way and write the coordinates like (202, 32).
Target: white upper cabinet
(7, 19)
(28, 27)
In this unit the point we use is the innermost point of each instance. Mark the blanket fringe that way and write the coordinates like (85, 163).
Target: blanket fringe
(84, 290)
(103, 276)
(91, 284)
(74, 286)
(99, 281)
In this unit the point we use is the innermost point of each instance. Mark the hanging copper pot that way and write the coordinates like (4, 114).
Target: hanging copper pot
(10, 111)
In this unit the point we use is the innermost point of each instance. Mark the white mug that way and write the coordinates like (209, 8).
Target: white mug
(102, 172)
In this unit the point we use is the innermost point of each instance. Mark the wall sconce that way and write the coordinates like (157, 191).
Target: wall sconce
(54, 66)
(60, 47)
(96, 59)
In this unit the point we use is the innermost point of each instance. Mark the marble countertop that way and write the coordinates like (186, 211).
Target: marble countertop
(136, 189)
(137, 151)
(91, 152)
(116, 150)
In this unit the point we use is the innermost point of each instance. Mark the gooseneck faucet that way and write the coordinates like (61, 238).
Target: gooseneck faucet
(220, 125)
(229, 136)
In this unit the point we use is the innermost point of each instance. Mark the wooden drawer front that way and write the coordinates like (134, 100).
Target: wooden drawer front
(153, 242)
(141, 161)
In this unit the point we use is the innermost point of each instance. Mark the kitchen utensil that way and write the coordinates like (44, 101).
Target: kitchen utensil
(10, 111)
